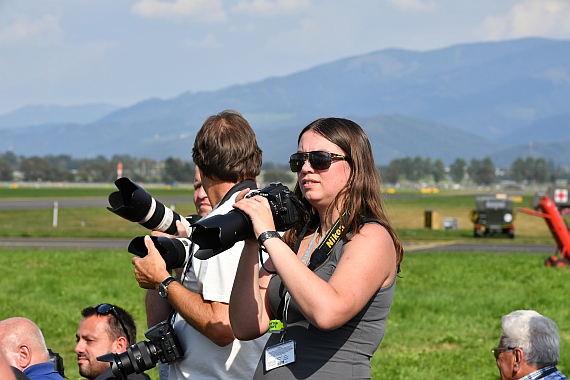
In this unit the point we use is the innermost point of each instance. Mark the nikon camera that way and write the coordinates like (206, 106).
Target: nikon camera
(162, 345)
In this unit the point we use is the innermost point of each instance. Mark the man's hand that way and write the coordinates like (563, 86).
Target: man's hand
(151, 269)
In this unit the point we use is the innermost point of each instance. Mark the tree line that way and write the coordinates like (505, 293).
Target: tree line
(58, 168)
(477, 171)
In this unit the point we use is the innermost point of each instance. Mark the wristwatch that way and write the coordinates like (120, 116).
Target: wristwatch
(267, 235)
(163, 286)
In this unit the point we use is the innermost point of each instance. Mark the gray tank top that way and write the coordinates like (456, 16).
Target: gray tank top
(343, 353)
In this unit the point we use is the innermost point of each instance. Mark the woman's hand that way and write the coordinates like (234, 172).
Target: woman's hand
(258, 210)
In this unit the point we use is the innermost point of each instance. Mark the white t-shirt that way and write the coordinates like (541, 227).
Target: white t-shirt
(203, 359)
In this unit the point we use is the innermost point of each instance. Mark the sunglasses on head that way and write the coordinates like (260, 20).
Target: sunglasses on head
(318, 159)
(106, 309)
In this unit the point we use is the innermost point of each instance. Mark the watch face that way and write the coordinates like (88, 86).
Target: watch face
(162, 290)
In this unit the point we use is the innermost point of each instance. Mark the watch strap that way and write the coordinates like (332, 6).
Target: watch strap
(267, 235)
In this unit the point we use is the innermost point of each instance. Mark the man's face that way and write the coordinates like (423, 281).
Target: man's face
(505, 358)
(92, 341)
(201, 200)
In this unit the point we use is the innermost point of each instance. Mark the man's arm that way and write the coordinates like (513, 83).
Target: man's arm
(209, 318)
(212, 319)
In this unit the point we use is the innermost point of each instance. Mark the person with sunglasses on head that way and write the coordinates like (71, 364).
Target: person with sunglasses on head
(229, 158)
(326, 290)
(104, 329)
(23, 345)
(529, 347)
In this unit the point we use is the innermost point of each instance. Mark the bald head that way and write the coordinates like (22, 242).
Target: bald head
(22, 343)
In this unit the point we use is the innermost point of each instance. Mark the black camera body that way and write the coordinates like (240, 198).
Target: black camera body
(284, 205)
(57, 361)
(220, 232)
(162, 345)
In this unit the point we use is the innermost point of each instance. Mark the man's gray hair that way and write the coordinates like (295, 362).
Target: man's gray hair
(535, 334)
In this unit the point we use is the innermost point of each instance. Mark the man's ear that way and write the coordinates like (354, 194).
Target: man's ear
(518, 356)
(120, 345)
(24, 357)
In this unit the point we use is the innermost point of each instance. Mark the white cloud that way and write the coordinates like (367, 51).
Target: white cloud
(203, 10)
(530, 18)
(270, 7)
(25, 29)
(412, 5)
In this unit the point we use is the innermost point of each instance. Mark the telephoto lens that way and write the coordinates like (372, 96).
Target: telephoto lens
(174, 251)
(135, 204)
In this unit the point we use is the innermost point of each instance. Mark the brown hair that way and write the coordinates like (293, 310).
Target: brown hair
(226, 149)
(361, 196)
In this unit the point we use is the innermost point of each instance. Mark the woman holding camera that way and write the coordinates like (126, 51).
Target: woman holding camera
(326, 290)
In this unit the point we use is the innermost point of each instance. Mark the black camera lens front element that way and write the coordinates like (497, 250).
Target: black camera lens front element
(106, 309)
(318, 159)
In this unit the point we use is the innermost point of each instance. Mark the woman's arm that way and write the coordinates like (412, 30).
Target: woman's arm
(249, 312)
(367, 264)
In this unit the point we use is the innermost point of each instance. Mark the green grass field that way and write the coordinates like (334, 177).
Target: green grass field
(444, 320)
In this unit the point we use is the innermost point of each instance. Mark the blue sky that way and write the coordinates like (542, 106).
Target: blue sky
(69, 52)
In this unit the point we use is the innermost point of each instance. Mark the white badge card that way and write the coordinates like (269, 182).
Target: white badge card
(279, 355)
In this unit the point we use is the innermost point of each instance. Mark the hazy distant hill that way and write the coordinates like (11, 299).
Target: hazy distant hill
(467, 101)
(52, 114)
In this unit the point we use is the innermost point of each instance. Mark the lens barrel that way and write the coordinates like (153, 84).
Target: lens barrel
(135, 204)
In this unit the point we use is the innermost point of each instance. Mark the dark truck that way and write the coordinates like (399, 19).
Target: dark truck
(493, 215)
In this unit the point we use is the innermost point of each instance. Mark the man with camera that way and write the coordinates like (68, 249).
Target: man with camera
(22, 344)
(104, 329)
(229, 159)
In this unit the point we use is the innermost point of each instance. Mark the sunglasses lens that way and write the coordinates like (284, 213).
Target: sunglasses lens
(296, 162)
(320, 160)
(104, 308)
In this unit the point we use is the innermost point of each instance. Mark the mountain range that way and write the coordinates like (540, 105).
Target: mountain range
(504, 100)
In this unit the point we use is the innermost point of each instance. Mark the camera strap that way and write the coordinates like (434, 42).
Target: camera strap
(322, 252)
(318, 257)
(245, 184)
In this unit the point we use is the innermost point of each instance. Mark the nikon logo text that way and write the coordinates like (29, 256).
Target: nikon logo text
(334, 237)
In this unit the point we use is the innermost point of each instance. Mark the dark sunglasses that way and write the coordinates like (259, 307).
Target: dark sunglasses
(105, 309)
(497, 351)
(318, 159)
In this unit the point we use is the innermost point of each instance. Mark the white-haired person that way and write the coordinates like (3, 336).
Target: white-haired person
(529, 347)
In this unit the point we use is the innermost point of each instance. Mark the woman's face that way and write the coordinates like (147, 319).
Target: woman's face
(320, 187)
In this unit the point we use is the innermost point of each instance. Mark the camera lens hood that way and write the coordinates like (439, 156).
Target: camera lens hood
(217, 233)
(131, 202)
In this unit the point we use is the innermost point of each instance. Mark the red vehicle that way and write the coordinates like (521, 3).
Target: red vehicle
(558, 228)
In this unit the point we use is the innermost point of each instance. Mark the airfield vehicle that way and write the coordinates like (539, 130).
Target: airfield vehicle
(559, 194)
(493, 215)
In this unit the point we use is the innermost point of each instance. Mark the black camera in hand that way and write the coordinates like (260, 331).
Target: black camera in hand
(162, 345)
(135, 204)
(218, 233)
